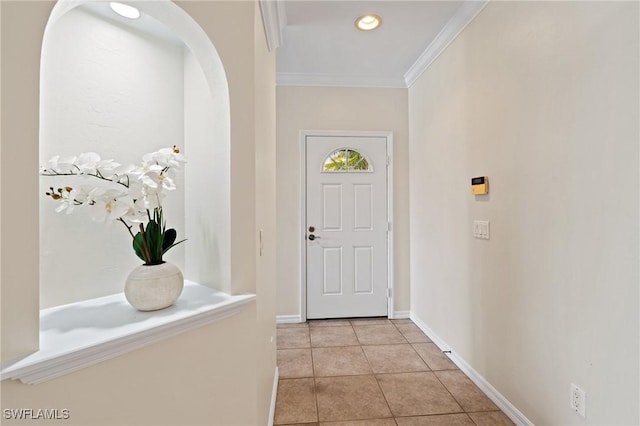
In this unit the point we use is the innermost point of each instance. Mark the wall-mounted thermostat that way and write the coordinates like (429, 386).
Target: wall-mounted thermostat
(480, 185)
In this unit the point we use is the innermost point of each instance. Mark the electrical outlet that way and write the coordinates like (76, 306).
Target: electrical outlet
(578, 400)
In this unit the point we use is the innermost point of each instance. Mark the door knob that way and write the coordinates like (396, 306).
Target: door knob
(312, 237)
(311, 229)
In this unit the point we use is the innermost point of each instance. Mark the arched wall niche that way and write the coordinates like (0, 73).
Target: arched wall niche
(80, 259)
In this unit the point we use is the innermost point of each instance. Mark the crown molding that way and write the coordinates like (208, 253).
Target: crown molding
(274, 19)
(463, 16)
(332, 80)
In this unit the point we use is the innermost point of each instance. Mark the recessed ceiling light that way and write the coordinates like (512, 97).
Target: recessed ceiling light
(368, 22)
(125, 10)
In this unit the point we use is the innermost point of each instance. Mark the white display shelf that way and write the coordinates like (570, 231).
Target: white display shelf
(81, 334)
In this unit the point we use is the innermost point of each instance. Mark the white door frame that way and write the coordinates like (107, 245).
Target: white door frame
(303, 209)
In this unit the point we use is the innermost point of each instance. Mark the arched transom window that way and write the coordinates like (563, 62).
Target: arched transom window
(346, 160)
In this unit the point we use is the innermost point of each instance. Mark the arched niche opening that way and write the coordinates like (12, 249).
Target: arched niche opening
(123, 88)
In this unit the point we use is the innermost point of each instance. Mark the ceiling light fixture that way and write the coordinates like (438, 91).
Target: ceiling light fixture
(368, 22)
(125, 10)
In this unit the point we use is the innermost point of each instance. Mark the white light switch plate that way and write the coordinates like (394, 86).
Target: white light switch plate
(481, 229)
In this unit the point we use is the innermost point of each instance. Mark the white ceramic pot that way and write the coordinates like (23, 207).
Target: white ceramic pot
(153, 287)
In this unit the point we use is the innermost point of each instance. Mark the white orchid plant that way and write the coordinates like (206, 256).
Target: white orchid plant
(135, 196)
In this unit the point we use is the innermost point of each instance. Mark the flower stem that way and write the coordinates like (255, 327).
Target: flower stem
(47, 172)
(147, 254)
(127, 226)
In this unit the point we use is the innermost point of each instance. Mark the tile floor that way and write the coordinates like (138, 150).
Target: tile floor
(373, 372)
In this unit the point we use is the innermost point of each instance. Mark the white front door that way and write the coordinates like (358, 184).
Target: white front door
(346, 226)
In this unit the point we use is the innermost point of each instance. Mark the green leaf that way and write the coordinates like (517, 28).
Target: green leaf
(153, 239)
(138, 247)
(173, 245)
(170, 236)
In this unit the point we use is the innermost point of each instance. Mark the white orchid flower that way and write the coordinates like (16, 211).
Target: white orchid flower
(137, 213)
(82, 196)
(52, 164)
(119, 173)
(152, 200)
(156, 180)
(87, 162)
(166, 157)
(172, 157)
(67, 200)
(110, 205)
(61, 164)
(135, 195)
(106, 168)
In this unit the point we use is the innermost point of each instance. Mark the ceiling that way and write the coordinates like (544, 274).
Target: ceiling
(320, 45)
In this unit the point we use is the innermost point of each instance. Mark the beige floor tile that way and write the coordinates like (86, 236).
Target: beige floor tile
(412, 333)
(369, 422)
(340, 361)
(434, 357)
(378, 334)
(293, 325)
(394, 358)
(416, 394)
(468, 395)
(491, 418)
(294, 363)
(369, 321)
(292, 338)
(329, 323)
(402, 321)
(437, 420)
(332, 336)
(350, 398)
(302, 424)
(296, 402)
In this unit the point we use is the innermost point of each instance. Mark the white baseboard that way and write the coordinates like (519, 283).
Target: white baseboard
(503, 403)
(401, 314)
(286, 319)
(274, 393)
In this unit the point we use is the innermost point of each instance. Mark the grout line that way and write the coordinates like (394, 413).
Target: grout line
(374, 374)
(450, 393)
(315, 389)
(313, 369)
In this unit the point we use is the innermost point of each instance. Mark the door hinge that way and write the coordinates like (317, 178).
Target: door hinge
(388, 160)
(388, 226)
(389, 293)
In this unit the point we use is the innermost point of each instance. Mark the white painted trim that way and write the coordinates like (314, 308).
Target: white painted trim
(401, 315)
(82, 334)
(274, 394)
(288, 319)
(463, 16)
(331, 80)
(503, 403)
(388, 135)
(274, 19)
(302, 288)
(391, 227)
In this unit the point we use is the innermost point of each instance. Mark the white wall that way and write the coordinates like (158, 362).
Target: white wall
(541, 97)
(220, 369)
(203, 377)
(117, 92)
(326, 108)
(207, 189)
(265, 166)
